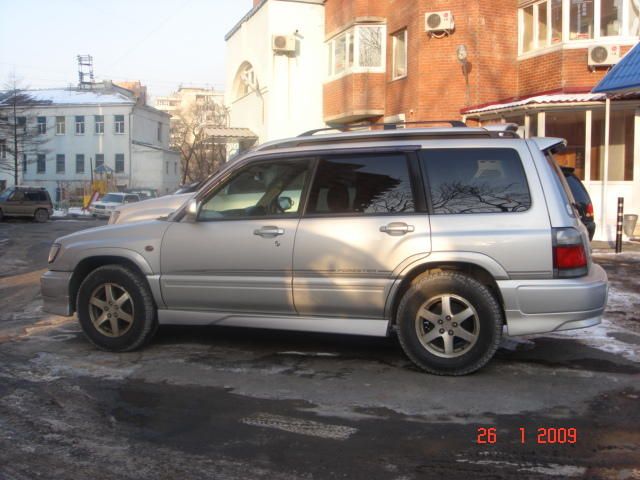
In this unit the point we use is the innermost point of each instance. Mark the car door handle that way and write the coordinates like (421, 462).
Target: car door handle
(397, 228)
(269, 231)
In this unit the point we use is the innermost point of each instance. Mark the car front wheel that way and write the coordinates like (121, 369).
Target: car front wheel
(116, 309)
(449, 323)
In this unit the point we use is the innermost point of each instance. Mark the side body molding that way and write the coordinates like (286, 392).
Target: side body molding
(481, 260)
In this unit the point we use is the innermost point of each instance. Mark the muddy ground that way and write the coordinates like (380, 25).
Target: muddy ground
(241, 404)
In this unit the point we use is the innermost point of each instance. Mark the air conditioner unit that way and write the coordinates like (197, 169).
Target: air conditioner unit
(603, 55)
(283, 43)
(438, 21)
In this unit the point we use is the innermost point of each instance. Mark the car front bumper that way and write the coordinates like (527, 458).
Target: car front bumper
(55, 293)
(540, 306)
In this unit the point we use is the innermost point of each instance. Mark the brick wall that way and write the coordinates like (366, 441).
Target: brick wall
(435, 87)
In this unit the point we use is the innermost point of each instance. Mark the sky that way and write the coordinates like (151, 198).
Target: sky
(162, 43)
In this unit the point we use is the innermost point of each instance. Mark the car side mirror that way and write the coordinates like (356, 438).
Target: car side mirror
(285, 203)
(192, 210)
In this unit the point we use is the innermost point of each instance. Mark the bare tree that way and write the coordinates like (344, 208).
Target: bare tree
(201, 156)
(19, 133)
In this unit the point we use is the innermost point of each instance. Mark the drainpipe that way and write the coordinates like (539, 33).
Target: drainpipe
(605, 173)
(130, 142)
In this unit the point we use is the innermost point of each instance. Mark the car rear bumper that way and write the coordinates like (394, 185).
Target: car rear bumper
(540, 306)
(55, 293)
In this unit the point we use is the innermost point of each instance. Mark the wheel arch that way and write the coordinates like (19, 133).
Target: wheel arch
(470, 268)
(89, 264)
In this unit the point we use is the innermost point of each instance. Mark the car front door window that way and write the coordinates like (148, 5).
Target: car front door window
(269, 189)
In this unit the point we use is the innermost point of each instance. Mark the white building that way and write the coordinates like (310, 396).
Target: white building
(185, 97)
(84, 129)
(275, 66)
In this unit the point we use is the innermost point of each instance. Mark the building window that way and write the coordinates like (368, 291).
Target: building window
(245, 81)
(119, 162)
(24, 163)
(119, 124)
(399, 62)
(581, 20)
(80, 163)
(3, 149)
(541, 21)
(42, 163)
(99, 119)
(159, 131)
(80, 125)
(359, 49)
(61, 127)
(99, 159)
(42, 125)
(60, 163)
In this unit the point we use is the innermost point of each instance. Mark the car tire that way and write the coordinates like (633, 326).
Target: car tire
(41, 215)
(1, 215)
(129, 321)
(429, 333)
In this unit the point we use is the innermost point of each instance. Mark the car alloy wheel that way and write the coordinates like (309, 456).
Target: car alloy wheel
(111, 310)
(447, 325)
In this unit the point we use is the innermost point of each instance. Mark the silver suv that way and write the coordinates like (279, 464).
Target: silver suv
(445, 236)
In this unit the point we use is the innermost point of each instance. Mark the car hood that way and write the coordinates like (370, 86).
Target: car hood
(152, 208)
(139, 242)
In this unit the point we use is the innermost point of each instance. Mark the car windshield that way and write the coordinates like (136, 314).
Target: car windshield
(112, 198)
(6, 194)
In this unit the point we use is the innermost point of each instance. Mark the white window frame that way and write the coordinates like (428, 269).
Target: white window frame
(63, 124)
(80, 124)
(99, 125)
(42, 126)
(624, 38)
(352, 36)
(3, 149)
(118, 126)
(394, 37)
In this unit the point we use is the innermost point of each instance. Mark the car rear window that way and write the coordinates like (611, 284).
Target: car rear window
(482, 180)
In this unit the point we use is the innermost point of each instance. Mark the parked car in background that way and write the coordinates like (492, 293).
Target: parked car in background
(22, 201)
(143, 193)
(107, 204)
(582, 200)
(148, 209)
(447, 237)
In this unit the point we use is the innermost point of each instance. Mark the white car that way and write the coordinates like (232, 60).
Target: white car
(149, 209)
(111, 201)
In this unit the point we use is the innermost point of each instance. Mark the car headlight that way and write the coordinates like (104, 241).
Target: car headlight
(53, 252)
(113, 218)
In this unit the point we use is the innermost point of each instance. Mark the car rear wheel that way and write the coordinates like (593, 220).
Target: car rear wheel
(116, 309)
(41, 215)
(449, 323)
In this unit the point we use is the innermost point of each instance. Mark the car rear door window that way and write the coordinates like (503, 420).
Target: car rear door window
(369, 184)
(487, 180)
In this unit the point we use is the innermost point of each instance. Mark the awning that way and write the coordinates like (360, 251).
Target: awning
(559, 98)
(623, 77)
(229, 134)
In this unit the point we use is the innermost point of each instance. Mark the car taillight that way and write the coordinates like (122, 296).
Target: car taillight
(569, 254)
(589, 210)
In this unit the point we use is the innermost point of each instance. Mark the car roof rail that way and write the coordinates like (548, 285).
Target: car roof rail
(384, 125)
